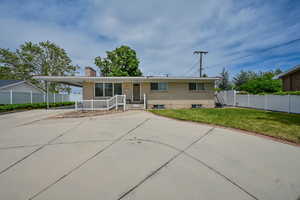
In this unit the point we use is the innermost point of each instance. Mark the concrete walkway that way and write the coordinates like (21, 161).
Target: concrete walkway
(137, 155)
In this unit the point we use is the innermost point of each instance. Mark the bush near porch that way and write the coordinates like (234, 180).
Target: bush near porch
(276, 124)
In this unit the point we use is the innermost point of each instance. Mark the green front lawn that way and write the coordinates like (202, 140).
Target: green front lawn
(280, 125)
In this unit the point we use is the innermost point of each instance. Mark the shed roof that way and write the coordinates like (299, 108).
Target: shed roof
(288, 72)
(4, 83)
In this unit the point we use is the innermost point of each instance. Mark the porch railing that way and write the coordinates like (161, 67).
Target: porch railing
(103, 104)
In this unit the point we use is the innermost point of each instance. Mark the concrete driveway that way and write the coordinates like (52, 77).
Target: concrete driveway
(137, 155)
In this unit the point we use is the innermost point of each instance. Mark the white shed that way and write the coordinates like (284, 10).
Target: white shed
(18, 86)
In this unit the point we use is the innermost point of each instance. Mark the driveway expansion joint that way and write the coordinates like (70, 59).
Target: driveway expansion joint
(164, 165)
(90, 158)
(183, 152)
(41, 147)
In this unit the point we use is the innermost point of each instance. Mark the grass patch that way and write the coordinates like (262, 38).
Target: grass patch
(28, 106)
(280, 125)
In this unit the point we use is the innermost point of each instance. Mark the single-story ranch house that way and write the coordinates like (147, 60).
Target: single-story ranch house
(158, 92)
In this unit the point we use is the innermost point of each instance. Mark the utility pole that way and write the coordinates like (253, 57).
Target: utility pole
(201, 54)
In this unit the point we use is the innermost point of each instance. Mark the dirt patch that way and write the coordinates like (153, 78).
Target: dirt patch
(78, 114)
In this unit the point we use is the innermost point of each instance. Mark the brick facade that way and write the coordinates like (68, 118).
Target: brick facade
(178, 94)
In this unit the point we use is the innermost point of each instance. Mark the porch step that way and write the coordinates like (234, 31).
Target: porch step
(135, 106)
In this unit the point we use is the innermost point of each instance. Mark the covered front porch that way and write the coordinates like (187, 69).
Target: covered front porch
(134, 92)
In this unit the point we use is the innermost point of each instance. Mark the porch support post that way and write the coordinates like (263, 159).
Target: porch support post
(124, 103)
(92, 104)
(144, 101)
(116, 102)
(47, 94)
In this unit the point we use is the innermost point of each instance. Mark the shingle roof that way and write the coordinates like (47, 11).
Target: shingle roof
(8, 82)
(294, 69)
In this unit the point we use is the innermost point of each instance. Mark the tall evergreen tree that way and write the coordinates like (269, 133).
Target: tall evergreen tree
(224, 83)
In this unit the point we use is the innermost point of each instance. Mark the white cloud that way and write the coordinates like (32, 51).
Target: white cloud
(164, 33)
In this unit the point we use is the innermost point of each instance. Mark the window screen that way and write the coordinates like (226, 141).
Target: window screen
(117, 89)
(108, 89)
(159, 86)
(99, 90)
(196, 86)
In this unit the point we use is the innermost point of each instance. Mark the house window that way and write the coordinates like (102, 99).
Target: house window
(158, 106)
(196, 105)
(99, 90)
(117, 89)
(159, 86)
(107, 89)
(196, 86)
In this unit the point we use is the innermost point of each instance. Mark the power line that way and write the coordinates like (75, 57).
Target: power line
(260, 51)
(191, 67)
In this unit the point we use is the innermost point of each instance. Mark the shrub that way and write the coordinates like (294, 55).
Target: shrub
(286, 93)
(9, 107)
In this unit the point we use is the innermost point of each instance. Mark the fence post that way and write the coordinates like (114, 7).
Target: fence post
(266, 102)
(54, 97)
(31, 96)
(248, 100)
(116, 102)
(47, 92)
(76, 105)
(234, 98)
(44, 97)
(11, 97)
(225, 92)
(107, 105)
(124, 103)
(289, 97)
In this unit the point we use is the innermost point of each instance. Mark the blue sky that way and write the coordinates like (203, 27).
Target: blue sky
(249, 35)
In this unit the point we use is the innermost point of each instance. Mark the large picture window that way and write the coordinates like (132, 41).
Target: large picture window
(196, 86)
(108, 89)
(159, 86)
(117, 89)
(99, 92)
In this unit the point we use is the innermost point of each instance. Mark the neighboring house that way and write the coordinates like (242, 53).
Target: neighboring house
(290, 79)
(159, 92)
(18, 86)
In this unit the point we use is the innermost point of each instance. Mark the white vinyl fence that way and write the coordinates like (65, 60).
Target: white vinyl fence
(283, 103)
(13, 97)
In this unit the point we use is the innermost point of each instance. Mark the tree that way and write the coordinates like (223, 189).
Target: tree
(120, 62)
(44, 58)
(224, 83)
(263, 84)
(243, 77)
